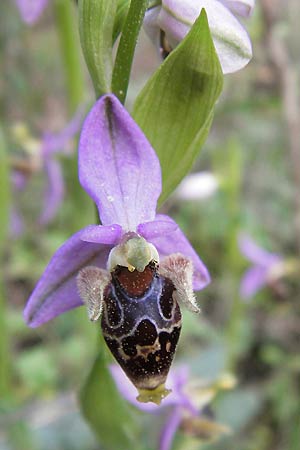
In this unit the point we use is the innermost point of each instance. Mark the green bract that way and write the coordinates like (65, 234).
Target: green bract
(104, 409)
(96, 24)
(175, 108)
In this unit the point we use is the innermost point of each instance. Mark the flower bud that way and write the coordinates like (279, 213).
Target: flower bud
(176, 17)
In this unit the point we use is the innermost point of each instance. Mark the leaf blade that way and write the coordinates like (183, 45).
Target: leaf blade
(175, 107)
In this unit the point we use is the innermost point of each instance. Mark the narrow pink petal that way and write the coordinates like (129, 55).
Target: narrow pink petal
(109, 234)
(31, 10)
(156, 228)
(176, 242)
(117, 166)
(56, 292)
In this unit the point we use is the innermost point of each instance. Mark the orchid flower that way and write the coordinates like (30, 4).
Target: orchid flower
(31, 10)
(174, 18)
(41, 156)
(132, 270)
(266, 267)
(184, 408)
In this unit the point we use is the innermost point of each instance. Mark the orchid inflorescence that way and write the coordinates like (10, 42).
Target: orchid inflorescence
(135, 270)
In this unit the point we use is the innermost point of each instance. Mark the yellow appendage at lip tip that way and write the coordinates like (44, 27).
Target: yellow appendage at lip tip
(153, 395)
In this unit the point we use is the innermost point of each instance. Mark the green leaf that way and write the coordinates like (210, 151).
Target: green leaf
(175, 108)
(105, 410)
(126, 48)
(121, 14)
(96, 22)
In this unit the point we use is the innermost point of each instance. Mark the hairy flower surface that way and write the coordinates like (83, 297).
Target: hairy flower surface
(31, 10)
(168, 24)
(134, 269)
(266, 267)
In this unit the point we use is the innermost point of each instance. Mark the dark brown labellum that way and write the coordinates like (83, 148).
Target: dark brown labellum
(141, 323)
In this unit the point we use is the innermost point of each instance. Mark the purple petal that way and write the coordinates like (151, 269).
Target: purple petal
(31, 10)
(117, 166)
(156, 228)
(256, 254)
(56, 292)
(54, 191)
(253, 280)
(110, 234)
(176, 242)
(169, 429)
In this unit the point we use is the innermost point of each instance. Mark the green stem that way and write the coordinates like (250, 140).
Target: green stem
(125, 53)
(230, 165)
(70, 49)
(4, 219)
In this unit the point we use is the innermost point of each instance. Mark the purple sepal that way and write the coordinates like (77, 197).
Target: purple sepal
(169, 429)
(117, 166)
(257, 255)
(31, 10)
(56, 292)
(256, 276)
(176, 242)
(253, 280)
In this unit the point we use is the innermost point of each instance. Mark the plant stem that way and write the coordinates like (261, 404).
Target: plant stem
(4, 218)
(125, 53)
(70, 48)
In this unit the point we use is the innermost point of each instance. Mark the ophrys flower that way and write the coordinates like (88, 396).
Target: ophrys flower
(134, 269)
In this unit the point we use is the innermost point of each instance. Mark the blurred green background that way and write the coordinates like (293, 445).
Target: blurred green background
(252, 150)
